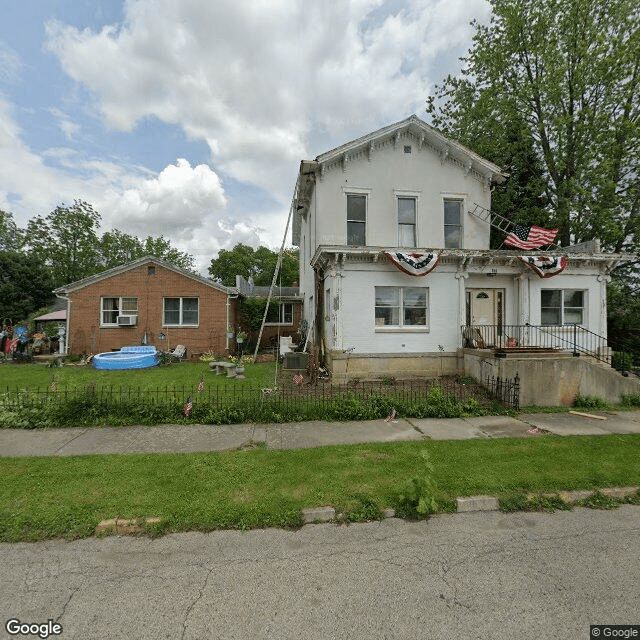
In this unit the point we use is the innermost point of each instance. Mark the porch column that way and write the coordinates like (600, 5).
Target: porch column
(524, 305)
(461, 276)
(603, 280)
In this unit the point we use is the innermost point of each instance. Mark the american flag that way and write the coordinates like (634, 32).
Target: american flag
(526, 236)
(298, 378)
(201, 385)
(188, 405)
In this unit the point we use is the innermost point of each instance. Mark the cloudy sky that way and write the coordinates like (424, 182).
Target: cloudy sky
(188, 118)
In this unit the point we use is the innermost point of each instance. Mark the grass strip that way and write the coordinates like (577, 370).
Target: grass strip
(44, 498)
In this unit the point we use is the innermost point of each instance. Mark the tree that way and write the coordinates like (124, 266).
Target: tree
(161, 248)
(117, 248)
(25, 285)
(67, 241)
(259, 264)
(551, 89)
(10, 235)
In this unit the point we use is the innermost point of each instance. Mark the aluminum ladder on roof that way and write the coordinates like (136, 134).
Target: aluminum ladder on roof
(500, 223)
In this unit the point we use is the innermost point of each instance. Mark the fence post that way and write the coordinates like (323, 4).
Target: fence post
(575, 345)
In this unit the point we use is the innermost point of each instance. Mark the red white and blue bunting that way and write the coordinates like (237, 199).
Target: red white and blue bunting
(415, 264)
(545, 266)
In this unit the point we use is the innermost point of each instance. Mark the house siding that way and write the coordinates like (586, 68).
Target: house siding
(87, 336)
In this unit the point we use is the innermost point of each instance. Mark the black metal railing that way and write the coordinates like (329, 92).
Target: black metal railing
(287, 394)
(504, 389)
(571, 337)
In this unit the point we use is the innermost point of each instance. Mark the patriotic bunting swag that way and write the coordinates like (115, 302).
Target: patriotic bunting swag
(545, 266)
(415, 264)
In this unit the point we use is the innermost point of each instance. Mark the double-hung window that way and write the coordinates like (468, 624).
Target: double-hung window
(453, 224)
(401, 307)
(561, 306)
(406, 222)
(111, 308)
(280, 313)
(180, 312)
(356, 219)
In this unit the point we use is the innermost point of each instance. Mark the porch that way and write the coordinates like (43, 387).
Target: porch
(538, 340)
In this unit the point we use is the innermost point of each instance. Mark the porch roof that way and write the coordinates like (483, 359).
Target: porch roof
(467, 258)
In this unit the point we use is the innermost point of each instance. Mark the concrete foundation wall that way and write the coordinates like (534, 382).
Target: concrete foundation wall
(551, 382)
(346, 367)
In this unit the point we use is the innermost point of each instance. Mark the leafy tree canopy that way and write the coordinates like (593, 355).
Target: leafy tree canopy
(550, 90)
(10, 235)
(259, 264)
(117, 247)
(25, 285)
(67, 241)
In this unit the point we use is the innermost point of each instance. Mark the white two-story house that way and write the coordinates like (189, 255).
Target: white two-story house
(374, 212)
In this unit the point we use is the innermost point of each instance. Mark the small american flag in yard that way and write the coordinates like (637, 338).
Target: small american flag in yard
(298, 378)
(188, 405)
(201, 385)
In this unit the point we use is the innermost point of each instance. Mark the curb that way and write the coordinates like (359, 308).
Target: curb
(318, 515)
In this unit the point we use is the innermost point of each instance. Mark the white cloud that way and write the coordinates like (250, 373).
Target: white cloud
(10, 63)
(186, 204)
(255, 79)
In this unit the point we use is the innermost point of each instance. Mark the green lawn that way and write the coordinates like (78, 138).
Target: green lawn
(66, 497)
(182, 374)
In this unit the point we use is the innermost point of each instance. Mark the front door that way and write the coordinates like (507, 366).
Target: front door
(485, 309)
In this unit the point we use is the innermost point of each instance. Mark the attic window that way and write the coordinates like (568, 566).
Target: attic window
(151, 271)
(407, 148)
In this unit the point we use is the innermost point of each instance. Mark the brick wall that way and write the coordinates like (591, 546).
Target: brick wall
(87, 336)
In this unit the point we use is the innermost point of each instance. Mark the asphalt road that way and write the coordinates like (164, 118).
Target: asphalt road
(478, 575)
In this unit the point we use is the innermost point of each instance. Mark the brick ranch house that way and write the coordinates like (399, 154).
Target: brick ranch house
(146, 301)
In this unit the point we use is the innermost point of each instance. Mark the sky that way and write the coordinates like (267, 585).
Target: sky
(189, 118)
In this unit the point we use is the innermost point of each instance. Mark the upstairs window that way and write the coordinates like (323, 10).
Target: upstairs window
(561, 306)
(356, 219)
(453, 224)
(406, 222)
(111, 308)
(180, 312)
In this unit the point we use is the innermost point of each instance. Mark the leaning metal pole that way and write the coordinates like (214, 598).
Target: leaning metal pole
(273, 282)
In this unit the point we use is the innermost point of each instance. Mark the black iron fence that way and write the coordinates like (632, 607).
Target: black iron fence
(504, 389)
(292, 395)
(572, 337)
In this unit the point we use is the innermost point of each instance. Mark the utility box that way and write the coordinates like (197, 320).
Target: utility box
(295, 360)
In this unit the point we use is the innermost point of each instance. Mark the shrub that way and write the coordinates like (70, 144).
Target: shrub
(622, 361)
(630, 400)
(590, 402)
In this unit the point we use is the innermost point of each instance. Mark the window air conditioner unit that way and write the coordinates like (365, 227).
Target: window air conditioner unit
(127, 321)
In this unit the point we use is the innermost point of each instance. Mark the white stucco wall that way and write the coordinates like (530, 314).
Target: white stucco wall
(352, 325)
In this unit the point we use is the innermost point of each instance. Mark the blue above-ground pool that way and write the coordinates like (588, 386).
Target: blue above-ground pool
(127, 358)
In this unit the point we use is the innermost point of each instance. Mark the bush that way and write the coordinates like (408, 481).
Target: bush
(622, 361)
(590, 402)
(630, 400)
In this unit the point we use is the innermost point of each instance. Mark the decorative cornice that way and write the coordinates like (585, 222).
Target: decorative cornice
(464, 259)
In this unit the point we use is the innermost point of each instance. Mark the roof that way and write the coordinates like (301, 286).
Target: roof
(449, 150)
(247, 289)
(134, 264)
(54, 315)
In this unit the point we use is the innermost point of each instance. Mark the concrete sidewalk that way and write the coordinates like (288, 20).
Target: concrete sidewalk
(191, 438)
